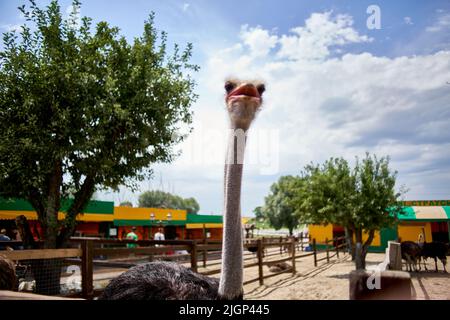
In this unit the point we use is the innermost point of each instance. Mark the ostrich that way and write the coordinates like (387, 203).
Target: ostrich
(170, 281)
(7, 274)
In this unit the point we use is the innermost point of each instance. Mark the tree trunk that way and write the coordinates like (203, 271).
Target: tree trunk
(47, 274)
(360, 261)
(349, 240)
(365, 247)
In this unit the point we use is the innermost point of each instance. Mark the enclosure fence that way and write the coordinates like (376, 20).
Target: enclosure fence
(70, 272)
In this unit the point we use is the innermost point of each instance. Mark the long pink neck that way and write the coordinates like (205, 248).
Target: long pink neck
(231, 277)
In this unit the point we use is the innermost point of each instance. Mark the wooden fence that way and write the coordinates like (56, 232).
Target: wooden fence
(85, 250)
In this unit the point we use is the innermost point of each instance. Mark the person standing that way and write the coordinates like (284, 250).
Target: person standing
(17, 237)
(132, 236)
(159, 236)
(3, 237)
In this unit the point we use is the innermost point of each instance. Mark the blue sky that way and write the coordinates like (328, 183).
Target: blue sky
(335, 87)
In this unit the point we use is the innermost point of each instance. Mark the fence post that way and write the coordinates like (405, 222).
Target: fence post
(337, 247)
(281, 246)
(326, 246)
(315, 252)
(204, 254)
(87, 277)
(194, 255)
(293, 255)
(260, 262)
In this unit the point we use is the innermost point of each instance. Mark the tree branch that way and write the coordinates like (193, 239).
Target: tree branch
(368, 241)
(82, 197)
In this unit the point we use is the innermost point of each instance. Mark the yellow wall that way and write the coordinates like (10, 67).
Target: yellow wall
(322, 233)
(200, 225)
(409, 231)
(129, 213)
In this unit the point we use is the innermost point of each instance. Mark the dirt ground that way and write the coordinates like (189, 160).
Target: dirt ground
(327, 281)
(331, 282)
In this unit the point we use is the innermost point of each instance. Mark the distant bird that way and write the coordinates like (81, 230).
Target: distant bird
(170, 281)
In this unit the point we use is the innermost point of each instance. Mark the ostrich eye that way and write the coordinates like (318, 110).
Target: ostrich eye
(229, 86)
(261, 88)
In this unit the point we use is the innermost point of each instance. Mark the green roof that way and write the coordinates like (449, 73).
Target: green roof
(202, 218)
(94, 206)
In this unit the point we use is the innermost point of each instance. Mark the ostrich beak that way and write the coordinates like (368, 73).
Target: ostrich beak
(244, 90)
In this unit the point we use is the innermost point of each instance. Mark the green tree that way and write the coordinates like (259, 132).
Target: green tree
(362, 200)
(126, 204)
(161, 199)
(191, 205)
(83, 109)
(377, 202)
(329, 196)
(260, 219)
(280, 206)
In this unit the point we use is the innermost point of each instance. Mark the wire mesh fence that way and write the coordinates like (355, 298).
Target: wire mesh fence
(48, 277)
(45, 271)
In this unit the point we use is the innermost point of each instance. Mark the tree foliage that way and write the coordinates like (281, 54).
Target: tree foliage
(82, 109)
(280, 206)
(362, 199)
(161, 199)
(126, 204)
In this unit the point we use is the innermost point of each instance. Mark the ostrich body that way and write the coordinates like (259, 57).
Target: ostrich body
(7, 274)
(170, 281)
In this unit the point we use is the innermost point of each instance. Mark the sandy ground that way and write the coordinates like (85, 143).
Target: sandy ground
(330, 281)
(327, 281)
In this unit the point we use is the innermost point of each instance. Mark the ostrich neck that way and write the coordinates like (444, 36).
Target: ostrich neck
(230, 286)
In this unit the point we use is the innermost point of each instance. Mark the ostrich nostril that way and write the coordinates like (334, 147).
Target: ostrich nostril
(261, 88)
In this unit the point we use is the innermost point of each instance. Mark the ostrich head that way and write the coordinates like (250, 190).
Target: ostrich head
(243, 99)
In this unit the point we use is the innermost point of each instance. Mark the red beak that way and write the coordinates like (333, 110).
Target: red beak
(248, 90)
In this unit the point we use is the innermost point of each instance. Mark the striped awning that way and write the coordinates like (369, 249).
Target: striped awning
(429, 213)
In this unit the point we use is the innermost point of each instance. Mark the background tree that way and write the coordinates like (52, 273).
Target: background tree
(126, 204)
(191, 205)
(259, 220)
(328, 196)
(377, 202)
(83, 109)
(280, 206)
(161, 199)
(363, 200)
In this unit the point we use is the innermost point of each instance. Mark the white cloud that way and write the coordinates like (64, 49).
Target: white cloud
(321, 31)
(339, 106)
(442, 23)
(258, 40)
(12, 27)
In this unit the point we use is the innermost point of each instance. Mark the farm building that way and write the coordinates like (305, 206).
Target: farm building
(430, 218)
(95, 220)
(102, 219)
(176, 223)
